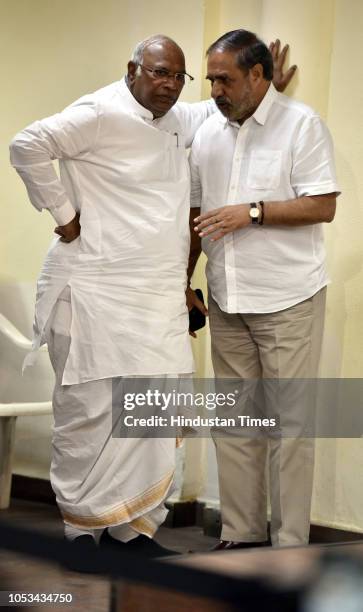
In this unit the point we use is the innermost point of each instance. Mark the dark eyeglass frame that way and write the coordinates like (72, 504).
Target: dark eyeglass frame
(162, 74)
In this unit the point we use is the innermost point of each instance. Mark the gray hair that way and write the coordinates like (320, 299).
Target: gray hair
(138, 52)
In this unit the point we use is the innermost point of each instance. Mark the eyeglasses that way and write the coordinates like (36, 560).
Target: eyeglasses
(161, 74)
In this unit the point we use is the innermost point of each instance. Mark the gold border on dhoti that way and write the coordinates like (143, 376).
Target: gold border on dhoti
(143, 525)
(125, 511)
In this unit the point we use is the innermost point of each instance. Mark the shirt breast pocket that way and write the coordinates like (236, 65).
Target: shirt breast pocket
(264, 170)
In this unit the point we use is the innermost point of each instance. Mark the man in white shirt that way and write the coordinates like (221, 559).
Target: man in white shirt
(264, 180)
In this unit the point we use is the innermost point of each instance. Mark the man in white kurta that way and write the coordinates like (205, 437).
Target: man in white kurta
(111, 302)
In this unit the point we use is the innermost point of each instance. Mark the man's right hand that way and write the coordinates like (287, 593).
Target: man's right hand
(70, 231)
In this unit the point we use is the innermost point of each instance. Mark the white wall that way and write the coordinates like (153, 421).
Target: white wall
(54, 51)
(325, 42)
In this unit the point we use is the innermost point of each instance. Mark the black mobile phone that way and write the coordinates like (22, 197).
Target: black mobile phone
(196, 318)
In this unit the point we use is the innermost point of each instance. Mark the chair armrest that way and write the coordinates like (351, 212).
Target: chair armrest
(25, 409)
(8, 330)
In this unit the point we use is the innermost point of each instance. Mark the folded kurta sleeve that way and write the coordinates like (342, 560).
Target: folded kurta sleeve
(71, 134)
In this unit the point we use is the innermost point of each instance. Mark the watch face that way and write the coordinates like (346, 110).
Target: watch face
(254, 213)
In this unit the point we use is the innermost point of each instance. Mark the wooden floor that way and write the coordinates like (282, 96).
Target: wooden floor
(92, 593)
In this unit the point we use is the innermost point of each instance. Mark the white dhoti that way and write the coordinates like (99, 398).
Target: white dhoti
(101, 481)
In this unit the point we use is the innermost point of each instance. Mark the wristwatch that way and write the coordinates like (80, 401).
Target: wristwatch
(254, 213)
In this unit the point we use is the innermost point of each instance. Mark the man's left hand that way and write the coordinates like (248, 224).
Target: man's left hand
(280, 79)
(221, 221)
(193, 301)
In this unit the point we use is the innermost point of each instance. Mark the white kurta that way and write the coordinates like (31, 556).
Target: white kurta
(128, 176)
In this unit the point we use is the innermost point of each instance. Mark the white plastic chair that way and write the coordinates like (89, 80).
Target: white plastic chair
(15, 342)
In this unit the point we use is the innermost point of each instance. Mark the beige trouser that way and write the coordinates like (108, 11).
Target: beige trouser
(279, 345)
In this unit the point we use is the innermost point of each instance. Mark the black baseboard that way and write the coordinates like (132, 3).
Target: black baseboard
(181, 514)
(32, 489)
(318, 535)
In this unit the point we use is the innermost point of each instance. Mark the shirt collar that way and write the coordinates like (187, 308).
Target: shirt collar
(132, 104)
(261, 112)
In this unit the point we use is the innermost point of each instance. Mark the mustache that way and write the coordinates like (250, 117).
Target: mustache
(222, 100)
(168, 96)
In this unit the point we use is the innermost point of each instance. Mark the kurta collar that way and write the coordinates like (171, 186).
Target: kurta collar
(132, 104)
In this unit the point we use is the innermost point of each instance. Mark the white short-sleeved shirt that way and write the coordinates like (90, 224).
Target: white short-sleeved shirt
(281, 152)
(128, 175)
